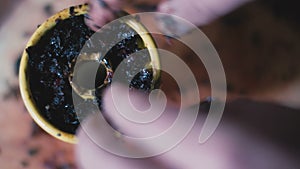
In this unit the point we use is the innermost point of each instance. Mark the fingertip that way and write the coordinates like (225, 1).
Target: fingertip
(108, 94)
(91, 24)
(165, 7)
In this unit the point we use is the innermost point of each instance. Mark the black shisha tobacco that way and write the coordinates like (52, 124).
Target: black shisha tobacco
(51, 59)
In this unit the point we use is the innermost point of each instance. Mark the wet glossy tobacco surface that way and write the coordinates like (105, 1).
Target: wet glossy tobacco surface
(51, 60)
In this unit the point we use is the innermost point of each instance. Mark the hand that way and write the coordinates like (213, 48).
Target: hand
(195, 11)
(230, 147)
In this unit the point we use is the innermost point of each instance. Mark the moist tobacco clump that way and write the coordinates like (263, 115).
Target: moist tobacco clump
(51, 60)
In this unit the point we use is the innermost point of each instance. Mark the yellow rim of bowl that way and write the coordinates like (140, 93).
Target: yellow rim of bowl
(48, 24)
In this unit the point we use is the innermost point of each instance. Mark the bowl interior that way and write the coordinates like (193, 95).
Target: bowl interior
(26, 92)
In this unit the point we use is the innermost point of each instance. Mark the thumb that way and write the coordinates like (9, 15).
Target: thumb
(95, 135)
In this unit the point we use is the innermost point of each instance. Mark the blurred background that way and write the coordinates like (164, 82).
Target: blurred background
(258, 44)
(22, 143)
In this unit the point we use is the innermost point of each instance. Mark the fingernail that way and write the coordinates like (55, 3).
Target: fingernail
(165, 8)
(103, 4)
(87, 16)
(96, 26)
